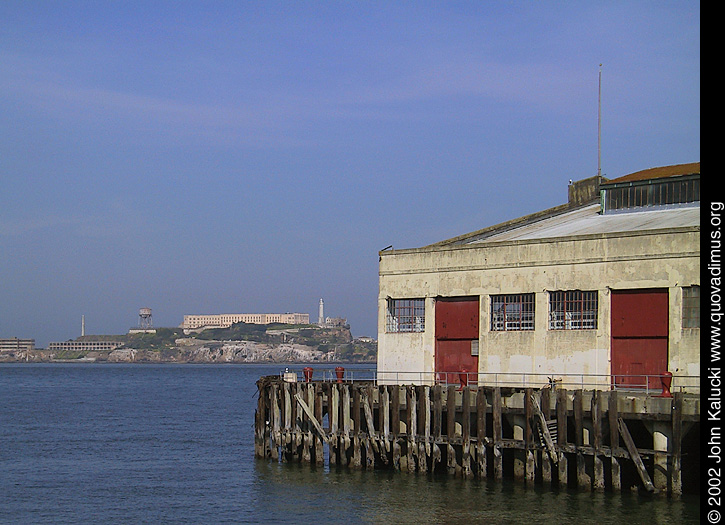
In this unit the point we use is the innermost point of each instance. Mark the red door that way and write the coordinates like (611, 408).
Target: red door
(639, 337)
(456, 339)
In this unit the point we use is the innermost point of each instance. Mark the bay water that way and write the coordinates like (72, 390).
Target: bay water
(134, 443)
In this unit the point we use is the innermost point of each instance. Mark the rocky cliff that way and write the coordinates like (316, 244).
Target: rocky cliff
(225, 352)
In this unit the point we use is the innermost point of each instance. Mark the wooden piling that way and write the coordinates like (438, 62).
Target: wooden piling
(497, 434)
(613, 416)
(582, 478)
(424, 448)
(437, 425)
(548, 456)
(356, 428)
(318, 411)
(481, 442)
(411, 423)
(466, 469)
(333, 414)
(562, 436)
(367, 402)
(451, 462)
(276, 421)
(530, 464)
(596, 417)
(675, 465)
(345, 449)
(385, 424)
(261, 425)
(395, 425)
(634, 454)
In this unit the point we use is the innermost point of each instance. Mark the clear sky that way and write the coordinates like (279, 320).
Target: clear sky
(250, 157)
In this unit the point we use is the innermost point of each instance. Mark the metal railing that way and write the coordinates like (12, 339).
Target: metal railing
(641, 383)
(331, 375)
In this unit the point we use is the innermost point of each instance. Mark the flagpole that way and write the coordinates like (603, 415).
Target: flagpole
(599, 126)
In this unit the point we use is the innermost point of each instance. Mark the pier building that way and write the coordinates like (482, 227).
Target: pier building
(604, 287)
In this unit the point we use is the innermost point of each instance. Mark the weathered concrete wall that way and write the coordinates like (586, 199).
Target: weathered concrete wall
(634, 260)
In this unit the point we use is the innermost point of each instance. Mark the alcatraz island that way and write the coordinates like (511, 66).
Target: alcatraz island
(233, 338)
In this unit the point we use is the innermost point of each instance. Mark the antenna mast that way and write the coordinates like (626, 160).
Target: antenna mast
(599, 126)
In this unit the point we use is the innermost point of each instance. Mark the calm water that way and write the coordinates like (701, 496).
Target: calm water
(174, 444)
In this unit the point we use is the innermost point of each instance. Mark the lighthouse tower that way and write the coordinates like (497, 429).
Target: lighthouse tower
(321, 315)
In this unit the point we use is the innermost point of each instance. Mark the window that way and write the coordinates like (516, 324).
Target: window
(573, 310)
(691, 307)
(405, 315)
(512, 312)
(670, 191)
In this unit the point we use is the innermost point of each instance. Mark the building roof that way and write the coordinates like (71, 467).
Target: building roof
(676, 170)
(587, 221)
(572, 220)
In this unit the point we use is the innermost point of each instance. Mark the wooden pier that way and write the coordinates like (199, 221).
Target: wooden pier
(588, 439)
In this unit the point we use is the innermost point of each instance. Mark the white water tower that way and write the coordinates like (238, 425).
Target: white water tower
(144, 318)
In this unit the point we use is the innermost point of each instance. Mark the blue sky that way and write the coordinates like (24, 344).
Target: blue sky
(241, 157)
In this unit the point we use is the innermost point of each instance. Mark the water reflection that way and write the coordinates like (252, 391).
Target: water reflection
(299, 493)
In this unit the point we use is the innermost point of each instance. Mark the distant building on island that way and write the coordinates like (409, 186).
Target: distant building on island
(334, 322)
(203, 322)
(84, 346)
(14, 344)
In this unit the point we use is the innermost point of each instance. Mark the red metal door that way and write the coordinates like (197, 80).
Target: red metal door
(456, 339)
(639, 337)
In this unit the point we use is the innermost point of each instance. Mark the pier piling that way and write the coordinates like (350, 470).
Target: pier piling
(548, 436)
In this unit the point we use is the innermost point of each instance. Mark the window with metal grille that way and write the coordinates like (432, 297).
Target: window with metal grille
(691, 307)
(573, 310)
(512, 312)
(405, 315)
